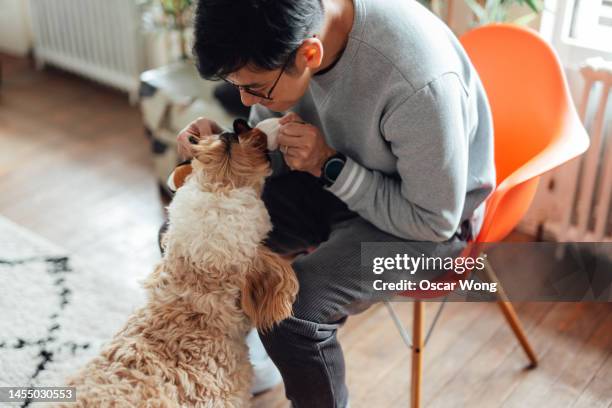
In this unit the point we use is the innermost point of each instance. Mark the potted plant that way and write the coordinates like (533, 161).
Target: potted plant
(496, 11)
(177, 12)
(169, 19)
(487, 11)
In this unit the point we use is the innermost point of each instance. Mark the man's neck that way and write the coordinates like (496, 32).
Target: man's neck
(338, 23)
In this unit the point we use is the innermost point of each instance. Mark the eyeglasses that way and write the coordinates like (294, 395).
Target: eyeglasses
(267, 97)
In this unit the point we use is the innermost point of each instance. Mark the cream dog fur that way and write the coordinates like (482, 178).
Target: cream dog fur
(186, 346)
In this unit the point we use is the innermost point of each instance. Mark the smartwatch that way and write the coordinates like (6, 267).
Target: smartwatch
(331, 169)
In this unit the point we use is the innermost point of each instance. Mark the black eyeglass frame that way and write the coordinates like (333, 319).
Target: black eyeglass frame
(267, 97)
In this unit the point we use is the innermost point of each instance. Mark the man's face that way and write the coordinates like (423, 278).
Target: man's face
(289, 89)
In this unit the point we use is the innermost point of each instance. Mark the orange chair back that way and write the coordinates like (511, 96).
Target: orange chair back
(536, 127)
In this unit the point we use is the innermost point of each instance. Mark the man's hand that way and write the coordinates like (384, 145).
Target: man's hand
(197, 129)
(303, 145)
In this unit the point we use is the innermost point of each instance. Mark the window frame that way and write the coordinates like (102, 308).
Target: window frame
(555, 27)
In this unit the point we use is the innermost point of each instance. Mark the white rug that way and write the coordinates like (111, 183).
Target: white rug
(55, 312)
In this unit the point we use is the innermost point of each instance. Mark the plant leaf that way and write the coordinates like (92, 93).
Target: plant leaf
(534, 5)
(477, 9)
(524, 20)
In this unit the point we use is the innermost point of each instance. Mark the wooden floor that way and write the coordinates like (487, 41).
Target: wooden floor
(75, 168)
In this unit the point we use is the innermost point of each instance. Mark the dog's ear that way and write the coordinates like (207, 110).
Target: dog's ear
(241, 126)
(269, 290)
(256, 139)
(179, 175)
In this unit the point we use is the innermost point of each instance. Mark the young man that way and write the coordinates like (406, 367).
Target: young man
(386, 136)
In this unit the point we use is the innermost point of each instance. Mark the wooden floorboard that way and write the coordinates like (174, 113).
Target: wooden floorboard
(598, 392)
(490, 354)
(572, 337)
(573, 382)
(75, 168)
(393, 388)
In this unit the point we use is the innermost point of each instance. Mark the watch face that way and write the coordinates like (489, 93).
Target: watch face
(333, 169)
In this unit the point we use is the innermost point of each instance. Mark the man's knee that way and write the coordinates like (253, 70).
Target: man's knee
(330, 282)
(316, 301)
(316, 314)
(294, 334)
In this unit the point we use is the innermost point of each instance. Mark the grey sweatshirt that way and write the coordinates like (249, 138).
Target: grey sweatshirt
(407, 108)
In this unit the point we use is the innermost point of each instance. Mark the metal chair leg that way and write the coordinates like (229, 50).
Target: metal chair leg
(417, 353)
(511, 316)
(417, 343)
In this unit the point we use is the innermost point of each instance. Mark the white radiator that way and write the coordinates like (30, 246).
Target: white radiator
(99, 39)
(573, 202)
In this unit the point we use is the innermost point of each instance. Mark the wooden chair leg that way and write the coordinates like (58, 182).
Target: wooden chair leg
(511, 316)
(417, 353)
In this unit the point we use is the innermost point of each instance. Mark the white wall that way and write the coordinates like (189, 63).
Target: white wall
(15, 31)
(460, 17)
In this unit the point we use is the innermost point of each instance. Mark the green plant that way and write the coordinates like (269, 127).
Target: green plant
(495, 11)
(177, 9)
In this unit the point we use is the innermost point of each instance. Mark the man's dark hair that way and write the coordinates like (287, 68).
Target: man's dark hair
(230, 34)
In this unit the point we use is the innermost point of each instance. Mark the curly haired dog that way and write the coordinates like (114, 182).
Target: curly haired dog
(186, 347)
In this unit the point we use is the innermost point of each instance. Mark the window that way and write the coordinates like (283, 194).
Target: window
(592, 23)
(578, 29)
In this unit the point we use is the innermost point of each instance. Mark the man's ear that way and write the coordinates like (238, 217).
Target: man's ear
(241, 126)
(269, 290)
(310, 54)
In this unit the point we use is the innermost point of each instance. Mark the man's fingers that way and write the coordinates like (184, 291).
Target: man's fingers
(296, 129)
(184, 146)
(192, 133)
(202, 127)
(216, 129)
(293, 160)
(189, 130)
(297, 151)
(290, 117)
(286, 140)
(295, 134)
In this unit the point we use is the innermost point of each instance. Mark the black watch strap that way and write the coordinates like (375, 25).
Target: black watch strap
(331, 169)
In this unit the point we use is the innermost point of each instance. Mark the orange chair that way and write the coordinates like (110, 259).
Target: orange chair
(536, 129)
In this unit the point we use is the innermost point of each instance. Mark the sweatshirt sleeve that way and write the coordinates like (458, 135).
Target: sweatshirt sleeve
(429, 135)
(277, 162)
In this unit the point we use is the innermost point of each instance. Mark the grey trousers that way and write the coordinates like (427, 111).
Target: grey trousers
(304, 347)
